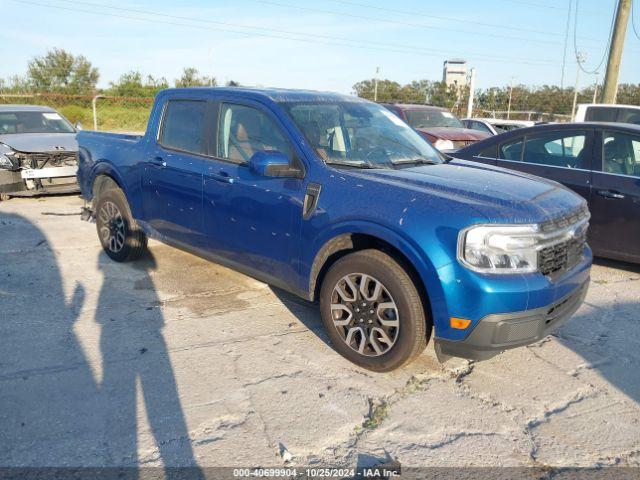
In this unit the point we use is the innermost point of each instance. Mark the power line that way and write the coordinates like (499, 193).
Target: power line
(633, 19)
(415, 13)
(575, 41)
(286, 35)
(417, 25)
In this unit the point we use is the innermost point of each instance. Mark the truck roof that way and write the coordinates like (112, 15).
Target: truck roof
(273, 94)
(25, 108)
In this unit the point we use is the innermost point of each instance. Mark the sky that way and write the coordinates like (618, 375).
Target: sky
(318, 44)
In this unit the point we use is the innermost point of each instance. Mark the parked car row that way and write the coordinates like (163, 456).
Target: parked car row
(345, 202)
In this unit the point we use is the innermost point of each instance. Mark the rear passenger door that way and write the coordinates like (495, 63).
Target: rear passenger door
(561, 155)
(172, 174)
(615, 199)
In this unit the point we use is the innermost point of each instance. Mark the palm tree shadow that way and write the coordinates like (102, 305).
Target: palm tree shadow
(136, 362)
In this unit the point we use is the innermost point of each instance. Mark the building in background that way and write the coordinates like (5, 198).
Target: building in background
(454, 72)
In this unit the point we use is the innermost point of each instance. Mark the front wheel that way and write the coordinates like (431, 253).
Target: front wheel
(373, 312)
(120, 236)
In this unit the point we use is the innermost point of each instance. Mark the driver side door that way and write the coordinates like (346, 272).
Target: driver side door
(251, 219)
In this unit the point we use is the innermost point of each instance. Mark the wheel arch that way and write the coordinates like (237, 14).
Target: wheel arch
(339, 245)
(103, 175)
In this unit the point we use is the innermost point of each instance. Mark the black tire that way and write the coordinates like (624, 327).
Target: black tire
(413, 330)
(126, 240)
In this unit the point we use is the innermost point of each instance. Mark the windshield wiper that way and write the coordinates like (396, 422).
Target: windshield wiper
(415, 161)
(352, 164)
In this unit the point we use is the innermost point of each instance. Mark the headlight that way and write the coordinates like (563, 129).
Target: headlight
(500, 248)
(443, 144)
(5, 153)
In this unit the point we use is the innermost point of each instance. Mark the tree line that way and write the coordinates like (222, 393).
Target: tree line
(547, 98)
(59, 71)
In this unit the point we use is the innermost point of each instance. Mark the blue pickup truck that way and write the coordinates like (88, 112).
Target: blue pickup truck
(337, 200)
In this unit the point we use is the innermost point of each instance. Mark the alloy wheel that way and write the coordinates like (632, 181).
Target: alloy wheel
(112, 228)
(364, 314)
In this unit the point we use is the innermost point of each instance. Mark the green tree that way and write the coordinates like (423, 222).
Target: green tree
(61, 71)
(191, 78)
(131, 84)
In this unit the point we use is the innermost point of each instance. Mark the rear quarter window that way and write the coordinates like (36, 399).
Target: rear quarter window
(511, 150)
(489, 152)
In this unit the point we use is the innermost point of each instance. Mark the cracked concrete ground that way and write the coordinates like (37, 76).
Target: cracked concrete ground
(173, 360)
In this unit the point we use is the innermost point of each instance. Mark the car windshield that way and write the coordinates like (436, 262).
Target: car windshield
(33, 122)
(360, 134)
(422, 118)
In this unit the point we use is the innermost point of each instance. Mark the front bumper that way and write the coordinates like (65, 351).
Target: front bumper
(10, 181)
(39, 181)
(498, 332)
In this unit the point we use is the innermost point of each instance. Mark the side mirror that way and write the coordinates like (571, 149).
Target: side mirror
(273, 164)
(78, 126)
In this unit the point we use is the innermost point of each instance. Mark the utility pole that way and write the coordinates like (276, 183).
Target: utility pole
(375, 88)
(510, 94)
(610, 88)
(595, 90)
(472, 82)
(566, 40)
(580, 58)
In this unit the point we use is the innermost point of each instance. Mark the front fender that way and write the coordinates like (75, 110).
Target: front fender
(333, 239)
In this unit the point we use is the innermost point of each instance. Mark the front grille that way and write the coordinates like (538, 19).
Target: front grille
(560, 257)
(47, 159)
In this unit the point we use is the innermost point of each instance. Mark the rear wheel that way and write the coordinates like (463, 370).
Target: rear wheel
(120, 236)
(373, 312)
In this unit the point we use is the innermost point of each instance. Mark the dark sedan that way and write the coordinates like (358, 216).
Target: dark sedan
(600, 161)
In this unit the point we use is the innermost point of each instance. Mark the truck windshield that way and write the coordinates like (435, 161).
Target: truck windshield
(424, 118)
(33, 122)
(360, 134)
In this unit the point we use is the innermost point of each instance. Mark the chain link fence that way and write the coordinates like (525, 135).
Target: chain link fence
(116, 114)
(130, 114)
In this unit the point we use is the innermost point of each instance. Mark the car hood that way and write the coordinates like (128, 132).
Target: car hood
(500, 195)
(40, 142)
(454, 133)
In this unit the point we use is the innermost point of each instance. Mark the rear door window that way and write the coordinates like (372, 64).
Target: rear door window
(557, 149)
(183, 126)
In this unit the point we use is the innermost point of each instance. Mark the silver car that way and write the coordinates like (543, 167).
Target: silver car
(38, 151)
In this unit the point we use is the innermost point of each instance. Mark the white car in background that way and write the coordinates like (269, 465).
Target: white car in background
(495, 126)
(38, 152)
(607, 112)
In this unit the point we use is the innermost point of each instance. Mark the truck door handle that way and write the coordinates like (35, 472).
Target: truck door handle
(610, 194)
(221, 176)
(158, 161)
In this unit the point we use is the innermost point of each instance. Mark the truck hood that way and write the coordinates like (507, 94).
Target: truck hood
(454, 133)
(40, 142)
(500, 195)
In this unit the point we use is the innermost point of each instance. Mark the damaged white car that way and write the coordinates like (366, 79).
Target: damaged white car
(38, 152)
